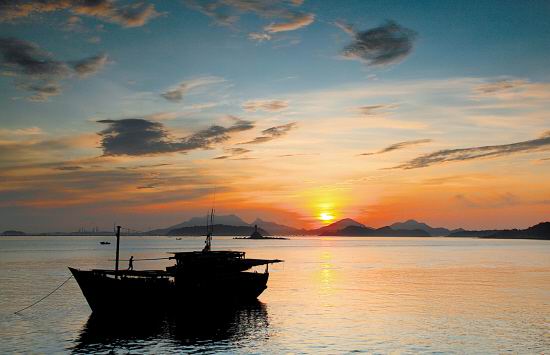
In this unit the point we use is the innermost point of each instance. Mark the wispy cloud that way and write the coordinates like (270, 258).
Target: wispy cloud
(265, 105)
(136, 136)
(128, 15)
(492, 151)
(346, 27)
(400, 145)
(69, 168)
(383, 45)
(232, 152)
(228, 12)
(37, 71)
(371, 110)
(259, 37)
(298, 22)
(499, 85)
(496, 201)
(272, 133)
(20, 132)
(89, 66)
(176, 94)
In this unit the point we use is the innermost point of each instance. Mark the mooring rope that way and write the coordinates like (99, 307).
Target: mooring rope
(43, 298)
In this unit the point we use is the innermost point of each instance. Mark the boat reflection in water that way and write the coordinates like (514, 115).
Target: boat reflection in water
(211, 329)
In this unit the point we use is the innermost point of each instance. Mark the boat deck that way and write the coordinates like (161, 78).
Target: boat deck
(139, 273)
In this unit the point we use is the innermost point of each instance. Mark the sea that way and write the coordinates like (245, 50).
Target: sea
(332, 295)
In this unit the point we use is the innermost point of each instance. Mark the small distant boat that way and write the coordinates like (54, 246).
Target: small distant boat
(178, 238)
(198, 279)
(104, 243)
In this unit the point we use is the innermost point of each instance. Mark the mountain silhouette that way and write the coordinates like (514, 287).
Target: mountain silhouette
(336, 226)
(277, 229)
(538, 231)
(219, 229)
(354, 231)
(229, 220)
(233, 225)
(411, 224)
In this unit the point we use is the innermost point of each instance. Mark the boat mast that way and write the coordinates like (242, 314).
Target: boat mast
(117, 250)
(209, 231)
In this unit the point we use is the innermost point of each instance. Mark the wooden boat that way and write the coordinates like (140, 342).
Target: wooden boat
(196, 279)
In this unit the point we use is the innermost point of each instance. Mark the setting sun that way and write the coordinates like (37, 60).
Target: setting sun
(326, 217)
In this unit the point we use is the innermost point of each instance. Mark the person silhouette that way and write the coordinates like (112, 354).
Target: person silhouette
(131, 263)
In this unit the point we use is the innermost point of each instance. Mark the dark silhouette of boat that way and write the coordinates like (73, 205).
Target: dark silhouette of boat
(104, 243)
(197, 278)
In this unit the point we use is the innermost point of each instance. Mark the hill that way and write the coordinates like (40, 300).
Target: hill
(336, 226)
(12, 233)
(219, 229)
(277, 229)
(354, 231)
(538, 231)
(411, 224)
(229, 220)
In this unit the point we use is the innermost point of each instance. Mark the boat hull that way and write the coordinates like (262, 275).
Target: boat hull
(104, 293)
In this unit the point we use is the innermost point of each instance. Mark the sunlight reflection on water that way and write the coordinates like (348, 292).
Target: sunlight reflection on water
(332, 295)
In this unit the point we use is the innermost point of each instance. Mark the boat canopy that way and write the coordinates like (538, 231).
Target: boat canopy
(228, 260)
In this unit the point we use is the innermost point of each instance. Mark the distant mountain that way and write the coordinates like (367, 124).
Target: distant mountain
(462, 233)
(354, 231)
(277, 229)
(232, 225)
(219, 229)
(538, 231)
(12, 233)
(336, 226)
(411, 224)
(230, 220)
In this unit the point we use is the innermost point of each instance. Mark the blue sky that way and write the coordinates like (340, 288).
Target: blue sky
(281, 66)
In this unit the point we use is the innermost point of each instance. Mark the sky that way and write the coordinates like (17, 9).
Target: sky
(146, 113)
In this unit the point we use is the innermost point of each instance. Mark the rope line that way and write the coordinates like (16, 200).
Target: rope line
(43, 298)
(168, 258)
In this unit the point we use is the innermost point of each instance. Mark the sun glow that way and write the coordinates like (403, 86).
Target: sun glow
(326, 217)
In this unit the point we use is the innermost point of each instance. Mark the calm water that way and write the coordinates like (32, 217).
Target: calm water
(332, 295)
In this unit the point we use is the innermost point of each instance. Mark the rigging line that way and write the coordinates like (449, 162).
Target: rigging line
(168, 258)
(43, 298)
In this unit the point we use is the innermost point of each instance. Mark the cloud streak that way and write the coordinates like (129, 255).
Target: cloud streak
(491, 151)
(228, 12)
(499, 86)
(372, 110)
(91, 65)
(127, 15)
(399, 146)
(232, 152)
(37, 71)
(265, 105)
(177, 93)
(384, 45)
(273, 133)
(136, 136)
(296, 23)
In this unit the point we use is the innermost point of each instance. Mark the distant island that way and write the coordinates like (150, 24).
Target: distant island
(232, 225)
(257, 235)
(13, 233)
(538, 231)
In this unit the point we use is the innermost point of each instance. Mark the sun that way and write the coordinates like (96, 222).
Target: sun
(326, 217)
